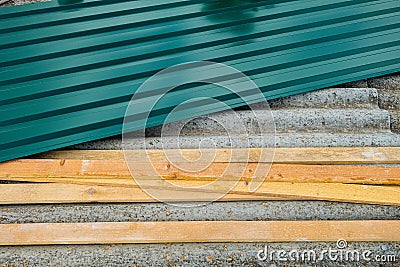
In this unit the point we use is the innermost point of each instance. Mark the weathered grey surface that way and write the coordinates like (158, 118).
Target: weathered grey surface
(389, 99)
(331, 117)
(364, 98)
(217, 211)
(290, 121)
(395, 121)
(386, 82)
(389, 96)
(282, 140)
(229, 254)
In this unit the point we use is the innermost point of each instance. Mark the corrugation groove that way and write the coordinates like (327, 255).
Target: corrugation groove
(68, 72)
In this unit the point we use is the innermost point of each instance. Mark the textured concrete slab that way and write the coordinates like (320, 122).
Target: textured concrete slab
(330, 117)
(230, 254)
(217, 211)
(330, 98)
(391, 82)
(389, 95)
(281, 140)
(288, 120)
(395, 120)
(389, 99)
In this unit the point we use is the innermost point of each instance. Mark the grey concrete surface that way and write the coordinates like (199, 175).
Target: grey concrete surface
(395, 121)
(389, 99)
(330, 117)
(217, 211)
(300, 120)
(282, 140)
(391, 82)
(218, 254)
(364, 98)
(389, 96)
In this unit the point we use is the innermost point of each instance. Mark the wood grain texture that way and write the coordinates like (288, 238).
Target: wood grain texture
(197, 231)
(44, 169)
(73, 193)
(102, 176)
(309, 155)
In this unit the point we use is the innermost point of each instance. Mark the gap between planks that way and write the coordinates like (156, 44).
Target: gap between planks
(198, 231)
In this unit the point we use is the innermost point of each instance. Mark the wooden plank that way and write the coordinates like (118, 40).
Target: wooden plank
(42, 169)
(367, 194)
(117, 168)
(309, 155)
(198, 231)
(72, 193)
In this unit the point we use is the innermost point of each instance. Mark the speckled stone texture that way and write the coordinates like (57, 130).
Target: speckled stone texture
(389, 96)
(330, 117)
(217, 254)
(217, 211)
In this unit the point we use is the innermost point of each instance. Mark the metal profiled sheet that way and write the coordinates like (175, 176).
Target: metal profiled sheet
(68, 71)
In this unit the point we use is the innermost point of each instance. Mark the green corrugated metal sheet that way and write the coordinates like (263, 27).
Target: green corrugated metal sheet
(68, 71)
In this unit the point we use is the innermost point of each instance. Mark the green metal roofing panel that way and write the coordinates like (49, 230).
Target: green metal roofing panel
(68, 71)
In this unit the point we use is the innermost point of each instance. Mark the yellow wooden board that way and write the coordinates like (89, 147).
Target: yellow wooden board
(74, 193)
(197, 231)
